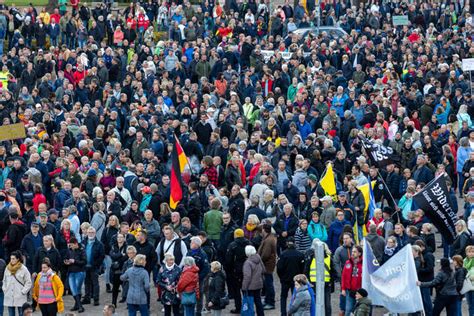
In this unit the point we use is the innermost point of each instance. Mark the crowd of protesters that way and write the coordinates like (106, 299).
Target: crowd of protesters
(259, 111)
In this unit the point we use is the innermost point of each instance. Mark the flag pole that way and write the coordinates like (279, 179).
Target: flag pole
(391, 196)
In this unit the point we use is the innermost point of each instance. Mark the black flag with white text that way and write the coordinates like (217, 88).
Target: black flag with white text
(380, 155)
(434, 200)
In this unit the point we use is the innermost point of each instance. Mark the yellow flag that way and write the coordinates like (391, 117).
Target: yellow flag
(356, 233)
(364, 189)
(327, 182)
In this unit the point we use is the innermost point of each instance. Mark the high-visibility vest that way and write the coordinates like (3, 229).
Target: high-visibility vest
(312, 270)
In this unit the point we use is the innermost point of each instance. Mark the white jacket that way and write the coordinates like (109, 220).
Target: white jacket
(16, 287)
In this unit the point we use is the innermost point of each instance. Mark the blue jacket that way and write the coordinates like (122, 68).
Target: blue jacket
(60, 199)
(304, 129)
(317, 230)
(335, 231)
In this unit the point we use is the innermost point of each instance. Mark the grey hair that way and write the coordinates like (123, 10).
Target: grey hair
(189, 261)
(250, 250)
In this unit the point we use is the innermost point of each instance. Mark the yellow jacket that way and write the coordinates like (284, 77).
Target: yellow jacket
(58, 289)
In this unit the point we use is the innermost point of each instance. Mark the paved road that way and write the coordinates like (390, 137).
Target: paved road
(156, 308)
(106, 298)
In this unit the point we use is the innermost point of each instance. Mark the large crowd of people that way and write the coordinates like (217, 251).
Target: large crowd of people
(106, 93)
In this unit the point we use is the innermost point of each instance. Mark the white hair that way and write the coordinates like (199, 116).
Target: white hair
(250, 250)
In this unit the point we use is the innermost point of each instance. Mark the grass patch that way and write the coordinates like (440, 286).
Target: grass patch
(25, 3)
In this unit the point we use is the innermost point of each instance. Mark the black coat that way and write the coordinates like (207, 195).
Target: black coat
(79, 256)
(29, 250)
(279, 226)
(216, 289)
(97, 254)
(227, 236)
(107, 238)
(118, 256)
(148, 250)
(53, 256)
(290, 264)
(237, 208)
(14, 236)
(235, 258)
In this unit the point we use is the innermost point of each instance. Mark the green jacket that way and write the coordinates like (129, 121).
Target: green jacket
(362, 307)
(212, 224)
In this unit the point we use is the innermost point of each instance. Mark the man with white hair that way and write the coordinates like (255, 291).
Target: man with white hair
(123, 194)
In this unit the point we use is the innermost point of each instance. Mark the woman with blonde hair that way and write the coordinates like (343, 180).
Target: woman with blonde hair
(463, 235)
(216, 299)
(300, 303)
(107, 239)
(165, 214)
(138, 286)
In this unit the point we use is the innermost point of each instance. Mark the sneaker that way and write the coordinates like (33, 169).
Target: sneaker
(96, 303)
(85, 301)
(234, 311)
(268, 307)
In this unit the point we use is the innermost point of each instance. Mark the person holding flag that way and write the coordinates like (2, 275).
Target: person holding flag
(178, 163)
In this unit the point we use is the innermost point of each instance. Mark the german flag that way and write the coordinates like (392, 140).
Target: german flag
(178, 162)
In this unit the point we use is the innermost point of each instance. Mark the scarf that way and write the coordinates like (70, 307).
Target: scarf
(169, 268)
(67, 235)
(13, 268)
(389, 251)
(250, 227)
(469, 264)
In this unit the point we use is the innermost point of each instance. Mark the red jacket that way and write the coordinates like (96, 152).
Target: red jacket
(351, 278)
(189, 280)
(253, 172)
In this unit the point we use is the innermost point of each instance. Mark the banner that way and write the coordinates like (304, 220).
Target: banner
(380, 155)
(12, 131)
(392, 285)
(434, 201)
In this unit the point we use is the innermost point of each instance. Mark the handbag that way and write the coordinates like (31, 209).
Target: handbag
(224, 301)
(247, 305)
(467, 286)
(188, 298)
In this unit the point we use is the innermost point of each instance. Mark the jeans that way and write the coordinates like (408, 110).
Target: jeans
(53, 41)
(269, 289)
(107, 266)
(458, 306)
(427, 302)
(1, 302)
(189, 310)
(11, 311)
(76, 279)
(350, 303)
(1, 46)
(470, 302)
(445, 301)
(257, 301)
(81, 43)
(134, 308)
(92, 284)
(285, 288)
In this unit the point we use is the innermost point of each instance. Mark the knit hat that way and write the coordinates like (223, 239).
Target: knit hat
(238, 233)
(362, 292)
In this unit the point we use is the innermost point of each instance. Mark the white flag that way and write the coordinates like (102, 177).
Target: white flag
(392, 285)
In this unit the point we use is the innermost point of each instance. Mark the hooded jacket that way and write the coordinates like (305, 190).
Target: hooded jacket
(138, 285)
(253, 271)
(189, 280)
